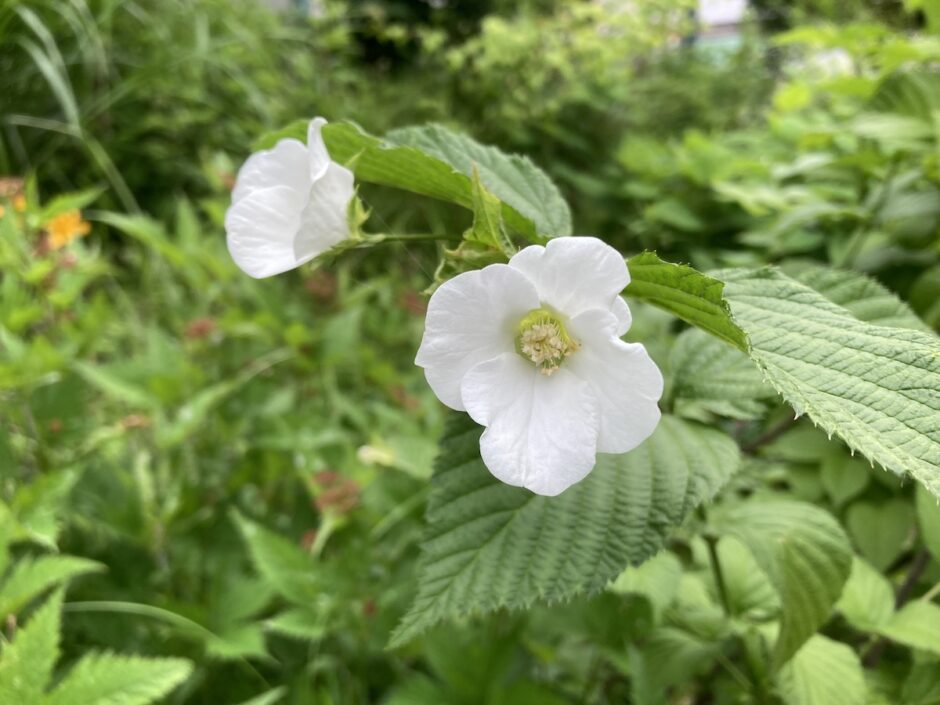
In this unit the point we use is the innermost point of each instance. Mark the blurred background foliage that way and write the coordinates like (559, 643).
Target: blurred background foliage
(244, 464)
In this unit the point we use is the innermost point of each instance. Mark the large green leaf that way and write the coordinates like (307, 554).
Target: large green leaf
(108, 679)
(489, 545)
(823, 672)
(513, 179)
(412, 169)
(806, 555)
(694, 297)
(878, 388)
(861, 296)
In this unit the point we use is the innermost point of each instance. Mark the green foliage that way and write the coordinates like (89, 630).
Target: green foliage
(97, 679)
(558, 547)
(871, 385)
(434, 172)
(806, 556)
(823, 672)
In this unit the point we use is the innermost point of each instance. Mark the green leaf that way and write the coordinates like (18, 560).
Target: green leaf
(285, 567)
(512, 178)
(688, 294)
(489, 545)
(709, 375)
(112, 385)
(880, 529)
(823, 672)
(411, 169)
(487, 218)
(878, 388)
(67, 202)
(861, 296)
(917, 625)
(843, 476)
(109, 679)
(656, 579)
(30, 576)
(806, 555)
(867, 600)
(26, 664)
(928, 518)
(300, 623)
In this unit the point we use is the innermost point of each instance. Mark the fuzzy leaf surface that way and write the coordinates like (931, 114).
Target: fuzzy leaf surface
(876, 387)
(490, 546)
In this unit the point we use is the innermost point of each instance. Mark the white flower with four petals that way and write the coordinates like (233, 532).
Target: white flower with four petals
(289, 205)
(531, 350)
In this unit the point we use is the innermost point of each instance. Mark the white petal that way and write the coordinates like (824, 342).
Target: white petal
(260, 230)
(471, 318)
(626, 381)
(574, 274)
(285, 165)
(541, 431)
(324, 222)
(318, 155)
(622, 313)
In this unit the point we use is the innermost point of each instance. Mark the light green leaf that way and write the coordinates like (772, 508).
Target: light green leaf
(880, 529)
(489, 545)
(749, 590)
(299, 623)
(709, 375)
(285, 567)
(514, 179)
(656, 579)
(917, 625)
(823, 672)
(108, 679)
(30, 576)
(867, 600)
(26, 664)
(806, 555)
(878, 388)
(694, 297)
(843, 476)
(928, 518)
(237, 641)
(411, 169)
(860, 295)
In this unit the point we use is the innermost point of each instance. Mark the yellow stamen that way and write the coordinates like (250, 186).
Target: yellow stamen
(544, 341)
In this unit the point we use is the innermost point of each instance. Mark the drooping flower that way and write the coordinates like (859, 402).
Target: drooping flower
(289, 205)
(532, 351)
(65, 228)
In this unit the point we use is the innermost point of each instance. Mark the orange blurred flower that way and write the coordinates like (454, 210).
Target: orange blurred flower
(65, 228)
(19, 203)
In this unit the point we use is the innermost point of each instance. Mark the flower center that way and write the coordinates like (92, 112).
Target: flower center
(544, 341)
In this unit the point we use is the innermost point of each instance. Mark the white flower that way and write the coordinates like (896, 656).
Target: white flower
(288, 206)
(532, 350)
